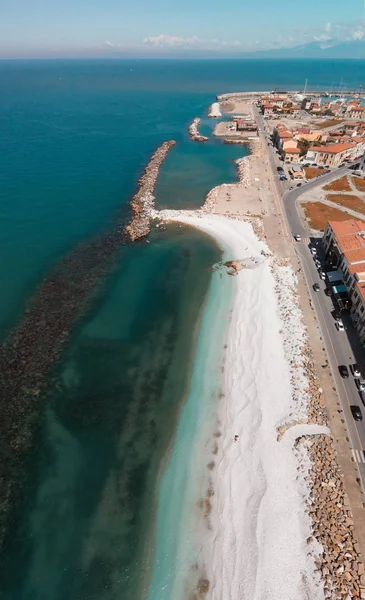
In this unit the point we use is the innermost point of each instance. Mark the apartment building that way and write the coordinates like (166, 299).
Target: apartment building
(344, 243)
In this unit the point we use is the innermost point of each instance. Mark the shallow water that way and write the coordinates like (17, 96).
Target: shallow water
(75, 139)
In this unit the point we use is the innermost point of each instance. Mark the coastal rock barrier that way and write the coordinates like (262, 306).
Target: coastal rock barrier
(144, 201)
(194, 131)
(30, 352)
(340, 564)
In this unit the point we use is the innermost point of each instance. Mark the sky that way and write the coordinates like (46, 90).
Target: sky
(102, 28)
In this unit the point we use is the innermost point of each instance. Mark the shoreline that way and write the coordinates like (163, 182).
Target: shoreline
(259, 532)
(233, 462)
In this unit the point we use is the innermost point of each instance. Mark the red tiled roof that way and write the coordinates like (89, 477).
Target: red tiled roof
(348, 243)
(355, 255)
(333, 148)
(346, 227)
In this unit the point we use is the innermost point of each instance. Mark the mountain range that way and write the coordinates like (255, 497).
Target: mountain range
(319, 49)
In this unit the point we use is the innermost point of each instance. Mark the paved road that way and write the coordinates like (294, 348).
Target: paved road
(343, 348)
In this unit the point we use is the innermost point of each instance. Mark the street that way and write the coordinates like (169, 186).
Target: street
(343, 348)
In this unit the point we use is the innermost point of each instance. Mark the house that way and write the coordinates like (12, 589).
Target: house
(267, 109)
(292, 155)
(332, 155)
(297, 173)
(247, 126)
(356, 112)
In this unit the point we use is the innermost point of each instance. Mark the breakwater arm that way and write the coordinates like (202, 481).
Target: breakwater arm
(144, 201)
(194, 131)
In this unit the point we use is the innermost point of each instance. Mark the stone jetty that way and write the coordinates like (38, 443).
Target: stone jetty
(194, 131)
(144, 201)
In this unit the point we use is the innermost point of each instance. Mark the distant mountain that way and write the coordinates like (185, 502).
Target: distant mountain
(324, 49)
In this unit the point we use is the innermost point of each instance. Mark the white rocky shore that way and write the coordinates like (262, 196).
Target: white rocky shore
(214, 110)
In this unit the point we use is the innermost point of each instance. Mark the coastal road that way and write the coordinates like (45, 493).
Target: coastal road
(343, 348)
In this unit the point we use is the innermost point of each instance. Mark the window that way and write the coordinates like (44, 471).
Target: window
(362, 309)
(356, 295)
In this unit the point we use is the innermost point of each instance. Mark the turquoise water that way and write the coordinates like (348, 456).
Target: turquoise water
(82, 476)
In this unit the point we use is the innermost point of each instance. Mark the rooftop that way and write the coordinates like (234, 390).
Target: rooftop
(348, 243)
(346, 227)
(355, 256)
(334, 148)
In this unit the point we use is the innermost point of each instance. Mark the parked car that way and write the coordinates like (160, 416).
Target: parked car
(279, 169)
(328, 292)
(356, 412)
(313, 251)
(322, 275)
(339, 325)
(316, 287)
(344, 372)
(299, 184)
(362, 397)
(317, 262)
(321, 167)
(360, 384)
(355, 370)
(298, 238)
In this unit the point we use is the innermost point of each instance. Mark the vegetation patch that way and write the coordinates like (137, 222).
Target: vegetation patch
(313, 172)
(328, 123)
(349, 201)
(319, 214)
(339, 185)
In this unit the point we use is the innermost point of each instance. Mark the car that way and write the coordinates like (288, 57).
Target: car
(362, 397)
(356, 412)
(279, 169)
(299, 184)
(321, 167)
(339, 325)
(313, 251)
(316, 287)
(322, 275)
(328, 292)
(360, 384)
(344, 372)
(317, 262)
(355, 370)
(298, 237)
(282, 178)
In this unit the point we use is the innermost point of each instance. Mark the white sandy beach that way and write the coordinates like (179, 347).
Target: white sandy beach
(255, 544)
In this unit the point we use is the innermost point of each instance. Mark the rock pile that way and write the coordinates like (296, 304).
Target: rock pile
(340, 564)
(194, 131)
(144, 200)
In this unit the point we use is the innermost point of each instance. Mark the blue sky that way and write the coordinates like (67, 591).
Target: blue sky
(164, 27)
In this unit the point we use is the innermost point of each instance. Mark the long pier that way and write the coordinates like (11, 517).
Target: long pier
(344, 94)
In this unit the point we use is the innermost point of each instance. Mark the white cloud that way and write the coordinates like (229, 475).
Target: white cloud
(172, 41)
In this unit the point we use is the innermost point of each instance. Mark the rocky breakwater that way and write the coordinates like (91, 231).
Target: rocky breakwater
(340, 564)
(214, 110)
(194, 131)
(143, 202)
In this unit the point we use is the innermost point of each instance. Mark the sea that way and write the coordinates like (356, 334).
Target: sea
(101, 430)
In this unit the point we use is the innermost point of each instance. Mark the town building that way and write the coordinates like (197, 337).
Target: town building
(344, 243)
(332, 155)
